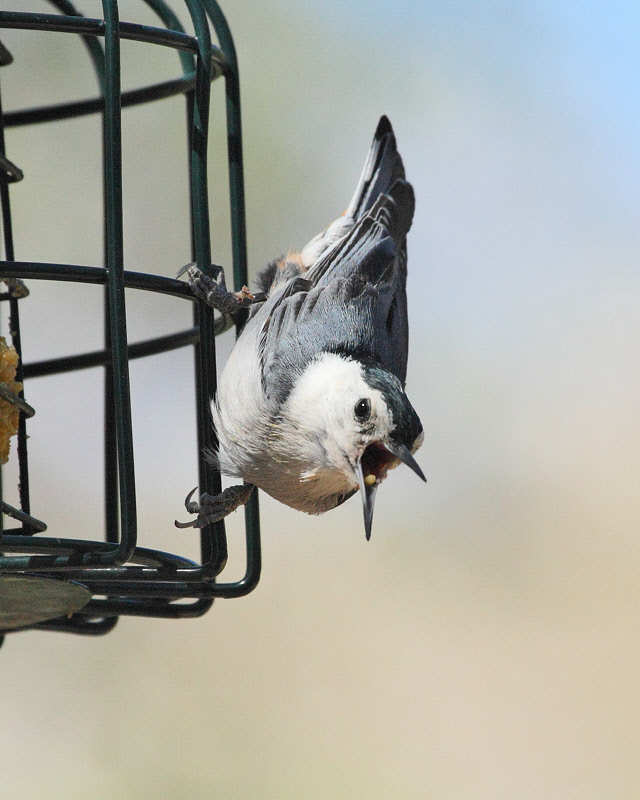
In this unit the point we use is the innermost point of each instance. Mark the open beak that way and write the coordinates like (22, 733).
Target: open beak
(402, 453)
(368, 492)
(377, 461)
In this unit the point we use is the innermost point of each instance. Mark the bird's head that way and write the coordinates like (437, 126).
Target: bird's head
(363, 421)
(388, 432)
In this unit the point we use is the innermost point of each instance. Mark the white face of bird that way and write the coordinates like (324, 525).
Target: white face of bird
(344, 423)
(333, 406)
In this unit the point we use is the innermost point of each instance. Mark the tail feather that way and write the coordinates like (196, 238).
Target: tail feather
(394, 210)
(383, 169)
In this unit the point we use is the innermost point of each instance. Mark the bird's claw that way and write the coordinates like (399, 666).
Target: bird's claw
(212, 289)
(212, 508)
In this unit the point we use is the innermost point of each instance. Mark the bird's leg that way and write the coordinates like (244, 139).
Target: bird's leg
(213, 289)
(212, 508)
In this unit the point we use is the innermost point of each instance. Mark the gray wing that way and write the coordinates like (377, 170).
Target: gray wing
(352, 301)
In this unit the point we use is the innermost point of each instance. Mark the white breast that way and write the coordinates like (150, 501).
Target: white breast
(293, 453)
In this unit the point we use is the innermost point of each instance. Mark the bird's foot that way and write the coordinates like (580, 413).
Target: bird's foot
(212, 508)
(213, 289)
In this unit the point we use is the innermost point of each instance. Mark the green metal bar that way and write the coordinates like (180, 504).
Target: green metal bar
(93, 105)
(199, 126)
(234, 145)
(56, 551)
(115, 290)
(212, 538)
(90, 29)
(155, 573)
(87, 26)
(74, 556)
(239, 252)
(38, 270)
(149, 347)
(153, 607)
(110, 435)
(77, 624)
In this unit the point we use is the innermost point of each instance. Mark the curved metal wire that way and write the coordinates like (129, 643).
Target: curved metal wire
(125, 578)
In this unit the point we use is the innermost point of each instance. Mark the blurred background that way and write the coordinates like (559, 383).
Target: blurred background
(485, 643)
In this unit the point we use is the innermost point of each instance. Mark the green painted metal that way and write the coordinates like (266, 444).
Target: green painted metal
(127, 579)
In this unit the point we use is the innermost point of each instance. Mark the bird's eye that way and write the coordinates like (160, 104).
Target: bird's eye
(362, 409)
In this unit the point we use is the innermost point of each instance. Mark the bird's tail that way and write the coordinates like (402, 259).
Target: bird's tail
(382, 170)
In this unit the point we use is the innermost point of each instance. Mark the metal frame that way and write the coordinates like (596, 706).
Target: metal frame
(128, 579)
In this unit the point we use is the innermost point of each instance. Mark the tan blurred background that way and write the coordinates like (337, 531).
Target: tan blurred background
(485, 643)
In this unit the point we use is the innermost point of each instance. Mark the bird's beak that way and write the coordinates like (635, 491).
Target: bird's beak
(402, 453)
(368, 492)
(369, 483)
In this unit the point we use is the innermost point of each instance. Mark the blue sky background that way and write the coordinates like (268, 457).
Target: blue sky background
(484, 643)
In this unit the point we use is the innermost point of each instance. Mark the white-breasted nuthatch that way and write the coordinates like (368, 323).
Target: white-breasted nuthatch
(311, 404)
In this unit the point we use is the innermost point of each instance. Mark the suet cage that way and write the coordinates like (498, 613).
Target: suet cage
(82, 585)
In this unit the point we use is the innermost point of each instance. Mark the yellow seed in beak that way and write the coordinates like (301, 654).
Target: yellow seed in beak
(370, 480)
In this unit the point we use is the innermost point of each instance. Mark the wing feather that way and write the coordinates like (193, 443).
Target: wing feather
(352, 299)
